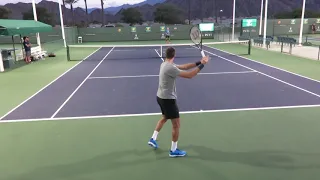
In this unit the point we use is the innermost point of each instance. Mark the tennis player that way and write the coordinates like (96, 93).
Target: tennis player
(167, 35)
(166, 97)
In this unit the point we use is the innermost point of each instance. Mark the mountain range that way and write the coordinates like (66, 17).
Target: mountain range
(210, 8)
(114, 10)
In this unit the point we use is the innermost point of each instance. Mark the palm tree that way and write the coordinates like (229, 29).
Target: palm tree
(85, 2)
(71, 2)
(102, 12)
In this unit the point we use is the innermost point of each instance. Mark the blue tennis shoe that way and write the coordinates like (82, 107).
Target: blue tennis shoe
(177, 153)
(153, 143)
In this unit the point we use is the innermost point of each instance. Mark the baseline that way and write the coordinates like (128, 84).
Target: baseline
(154, 114)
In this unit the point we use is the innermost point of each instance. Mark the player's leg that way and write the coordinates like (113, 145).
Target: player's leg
(175, 119)
(160, 124)
(153, 140)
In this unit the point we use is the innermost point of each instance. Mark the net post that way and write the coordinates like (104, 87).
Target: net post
(68, 53)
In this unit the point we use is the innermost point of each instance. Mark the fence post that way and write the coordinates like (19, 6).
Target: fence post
(319, 53)
(68, 53)
(306, 39)
(249, 50)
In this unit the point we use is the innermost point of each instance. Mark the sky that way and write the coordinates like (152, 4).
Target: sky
(91, 3)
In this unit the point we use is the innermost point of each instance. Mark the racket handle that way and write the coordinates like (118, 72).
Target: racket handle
(202, 53)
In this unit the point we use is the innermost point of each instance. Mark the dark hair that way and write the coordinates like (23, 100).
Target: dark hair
(170, 53)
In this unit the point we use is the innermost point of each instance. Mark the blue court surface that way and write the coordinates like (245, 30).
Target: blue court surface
(115, 82)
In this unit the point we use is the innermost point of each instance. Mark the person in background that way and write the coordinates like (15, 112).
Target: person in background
(167, 35)
(27, 49)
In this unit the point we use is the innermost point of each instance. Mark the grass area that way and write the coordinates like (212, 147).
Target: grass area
(264, 145)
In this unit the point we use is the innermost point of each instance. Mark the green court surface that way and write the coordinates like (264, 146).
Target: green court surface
(276, 144)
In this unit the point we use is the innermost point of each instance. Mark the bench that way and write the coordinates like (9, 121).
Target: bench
(286, 40)
(269, 38)
(243, 38)
(259, 41)
(37, 52)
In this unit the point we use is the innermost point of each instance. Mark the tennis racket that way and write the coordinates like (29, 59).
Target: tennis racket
(196, 37)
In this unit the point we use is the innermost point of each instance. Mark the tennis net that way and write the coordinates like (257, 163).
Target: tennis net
(137, 51)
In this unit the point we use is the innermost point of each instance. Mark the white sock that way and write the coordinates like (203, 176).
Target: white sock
(174, 146)
(155, 134)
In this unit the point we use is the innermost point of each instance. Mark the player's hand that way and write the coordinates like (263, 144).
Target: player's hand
(205, 60)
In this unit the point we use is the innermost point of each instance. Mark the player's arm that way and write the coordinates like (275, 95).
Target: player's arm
(188, 65)
(174, 72)
(192, 65)
(191, 74)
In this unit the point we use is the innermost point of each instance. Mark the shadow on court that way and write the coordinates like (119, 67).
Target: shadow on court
(116, 161)
(264, 159)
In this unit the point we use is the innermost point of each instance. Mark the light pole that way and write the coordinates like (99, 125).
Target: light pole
(36, 19)
(302, 21)
(62, 24)
(261, 15)
(265, 24)
(234, 17)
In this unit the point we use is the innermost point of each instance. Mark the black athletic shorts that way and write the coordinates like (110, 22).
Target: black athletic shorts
(169, 108)
(167, 37)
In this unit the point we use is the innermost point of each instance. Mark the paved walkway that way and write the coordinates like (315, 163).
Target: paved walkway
(310, 52)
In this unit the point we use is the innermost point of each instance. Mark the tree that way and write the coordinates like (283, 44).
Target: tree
(42, 15)
(168, 14)
(71, 2)
(132, 16)
(85, 2)
(102, 12)
(4, 13)
(296, 13)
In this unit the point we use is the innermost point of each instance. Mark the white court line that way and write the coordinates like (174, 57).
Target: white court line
(159, 55)
(265, 74)
(264, 64)
(119, 77)
(124, 50)
(47, 85)
(65, 102)
(154, 114)
(143, 76)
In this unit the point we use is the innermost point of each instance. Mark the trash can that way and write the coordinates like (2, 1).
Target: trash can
(7, 57)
